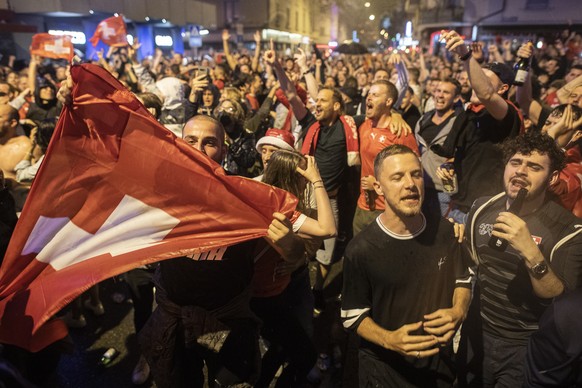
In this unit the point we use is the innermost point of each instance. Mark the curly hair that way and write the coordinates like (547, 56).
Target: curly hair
(534, 141)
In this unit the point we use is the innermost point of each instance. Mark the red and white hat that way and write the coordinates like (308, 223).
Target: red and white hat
(278, 138)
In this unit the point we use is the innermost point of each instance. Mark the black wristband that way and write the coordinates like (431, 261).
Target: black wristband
(466, 56)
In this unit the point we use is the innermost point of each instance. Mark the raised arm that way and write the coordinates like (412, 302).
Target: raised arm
(255, 61)
(494, 54)
(523, 93)
(481, 84)
(565, 91)
(32, 71)
(157, 60)
(507, 55)
(229, 58)
(301, 60)
(297, 105)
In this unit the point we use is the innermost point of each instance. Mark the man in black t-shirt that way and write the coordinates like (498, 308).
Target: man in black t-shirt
(406, 288)
(494, 118)
(543, 258)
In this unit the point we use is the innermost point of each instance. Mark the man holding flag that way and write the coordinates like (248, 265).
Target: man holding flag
(117, 191)
(212, 290)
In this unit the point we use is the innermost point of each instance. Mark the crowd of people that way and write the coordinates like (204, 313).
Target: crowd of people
(451, 195)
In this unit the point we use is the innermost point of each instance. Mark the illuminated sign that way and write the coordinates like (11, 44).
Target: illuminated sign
(164, 41)
(77, 37)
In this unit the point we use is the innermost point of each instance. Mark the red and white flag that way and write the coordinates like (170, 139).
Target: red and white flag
(52, 46)
(111, 31)
(116, 191)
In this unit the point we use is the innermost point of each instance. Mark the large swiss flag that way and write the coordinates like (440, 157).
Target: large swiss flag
(111, 31)
(116, 190)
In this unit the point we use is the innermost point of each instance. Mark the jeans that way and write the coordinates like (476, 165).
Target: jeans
(503, 362)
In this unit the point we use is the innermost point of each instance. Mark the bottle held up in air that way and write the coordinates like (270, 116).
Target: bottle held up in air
(521, 69)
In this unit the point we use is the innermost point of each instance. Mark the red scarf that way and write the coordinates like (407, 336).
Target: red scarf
(352, 145)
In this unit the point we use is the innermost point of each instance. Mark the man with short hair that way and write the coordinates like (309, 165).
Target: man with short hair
(6, 93)
(543, 258)
(432, 130)
(406, 289)
(375, 133)
(206, 294)
(381, 74)
(466, 91)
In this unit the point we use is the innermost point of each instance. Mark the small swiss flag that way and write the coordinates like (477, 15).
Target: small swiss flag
(52, 46)
(111, 31)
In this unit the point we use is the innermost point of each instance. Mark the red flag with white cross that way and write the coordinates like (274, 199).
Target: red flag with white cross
(111, 31)
(116, 191)
(52, 46)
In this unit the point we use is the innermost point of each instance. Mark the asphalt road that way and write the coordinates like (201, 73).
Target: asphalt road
(81, 369)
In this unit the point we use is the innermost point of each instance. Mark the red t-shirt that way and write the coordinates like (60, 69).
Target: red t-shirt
(265, 283)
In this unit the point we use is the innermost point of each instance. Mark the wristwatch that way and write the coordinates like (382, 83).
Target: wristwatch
(539, 270)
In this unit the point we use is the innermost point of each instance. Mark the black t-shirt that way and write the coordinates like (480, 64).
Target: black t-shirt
(210, 279)
(411, 116)
(330, 152)
(396, 280)
(509, 307)
(429, 131)
(478, 158)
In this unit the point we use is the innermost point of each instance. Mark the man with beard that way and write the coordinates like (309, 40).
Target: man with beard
(332, 139)
(543, 258)
(406, 289)
(466, 90)
(375, 133)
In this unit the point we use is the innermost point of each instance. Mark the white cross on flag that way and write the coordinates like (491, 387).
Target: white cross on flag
(116, 191)
(111, 31)
(52, 46)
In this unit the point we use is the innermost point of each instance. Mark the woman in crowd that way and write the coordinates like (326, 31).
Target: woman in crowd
(282, 295)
